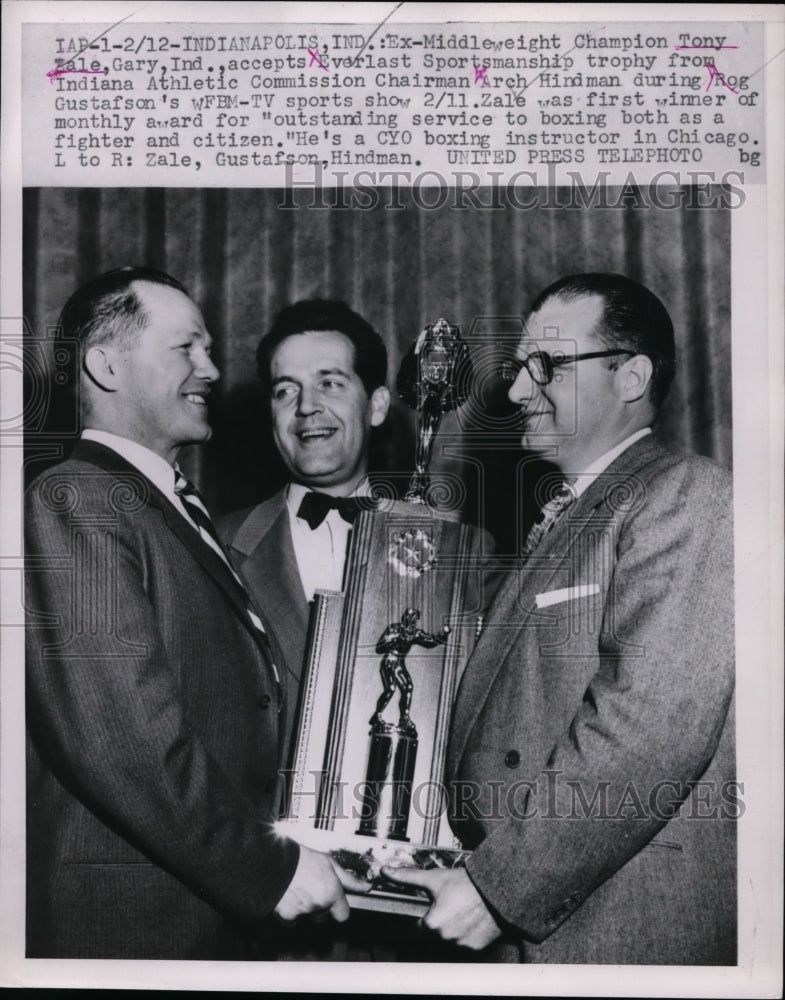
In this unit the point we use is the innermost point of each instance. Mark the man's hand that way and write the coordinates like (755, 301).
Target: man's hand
(318, 888)
(458, 913)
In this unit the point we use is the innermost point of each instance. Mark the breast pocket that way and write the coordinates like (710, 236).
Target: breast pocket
(569, 620)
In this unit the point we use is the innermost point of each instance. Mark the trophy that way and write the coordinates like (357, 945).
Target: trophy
(372, 796)
(434, 378)
(393, 751)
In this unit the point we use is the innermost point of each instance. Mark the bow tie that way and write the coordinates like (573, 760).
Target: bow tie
(315, 507)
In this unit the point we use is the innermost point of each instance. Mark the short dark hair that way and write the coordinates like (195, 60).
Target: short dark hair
(632, 317)
(107, 308)
(311, 315)
(104, 310)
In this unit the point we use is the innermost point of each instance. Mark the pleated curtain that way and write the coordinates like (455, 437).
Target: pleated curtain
(243, 257)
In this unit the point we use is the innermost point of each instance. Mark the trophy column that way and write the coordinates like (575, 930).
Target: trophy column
(388, 785)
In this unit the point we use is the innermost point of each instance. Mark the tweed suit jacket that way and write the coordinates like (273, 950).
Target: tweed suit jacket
(592, 745)
(153, 730)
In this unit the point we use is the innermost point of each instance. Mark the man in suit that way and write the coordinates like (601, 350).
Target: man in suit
(592, 745)
(324, 370)
(152, 698)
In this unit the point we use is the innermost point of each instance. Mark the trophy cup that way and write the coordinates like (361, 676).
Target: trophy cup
(374, 797)
(434, 378)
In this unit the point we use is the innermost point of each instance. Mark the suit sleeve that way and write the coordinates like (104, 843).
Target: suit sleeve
(652, 713)
(105, 711)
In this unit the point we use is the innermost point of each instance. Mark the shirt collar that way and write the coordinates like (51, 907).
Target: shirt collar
(583, 480)
(157, 469)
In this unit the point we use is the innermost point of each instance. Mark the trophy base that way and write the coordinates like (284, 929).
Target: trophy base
(388, 784)
(365, 859)
(388, 902)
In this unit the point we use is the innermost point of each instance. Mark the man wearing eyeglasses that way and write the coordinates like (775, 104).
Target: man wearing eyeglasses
(592, 754)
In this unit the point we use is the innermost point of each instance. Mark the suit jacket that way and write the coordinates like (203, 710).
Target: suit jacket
(259, 540)
(597, 702)
(153, 730)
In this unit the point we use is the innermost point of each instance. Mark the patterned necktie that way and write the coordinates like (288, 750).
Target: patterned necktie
(562, 498)
(196, 510)
(314, 507)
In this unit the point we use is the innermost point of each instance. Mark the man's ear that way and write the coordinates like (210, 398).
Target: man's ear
(380, 405)
(100, 363)
(635, 377)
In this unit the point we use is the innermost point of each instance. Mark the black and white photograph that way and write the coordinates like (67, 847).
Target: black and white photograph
(391, 554)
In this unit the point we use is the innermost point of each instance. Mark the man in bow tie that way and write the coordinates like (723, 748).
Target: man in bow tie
(591, 751)
(324, 369)
(152, 696)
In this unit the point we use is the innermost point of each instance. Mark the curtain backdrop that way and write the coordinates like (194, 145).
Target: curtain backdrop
(243, 257)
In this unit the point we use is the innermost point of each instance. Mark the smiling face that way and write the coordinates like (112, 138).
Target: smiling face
(322, 414)
(163, 374)
(580, 415)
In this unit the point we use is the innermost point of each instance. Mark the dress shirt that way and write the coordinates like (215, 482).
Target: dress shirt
(157, 469)
(581, 481)
(321, 551)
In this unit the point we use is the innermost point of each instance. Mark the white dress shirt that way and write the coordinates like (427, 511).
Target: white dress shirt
(580, 482)
(157, 469)
(321, 551)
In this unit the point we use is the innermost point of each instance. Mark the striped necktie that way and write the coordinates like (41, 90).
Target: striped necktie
(561, 500)
(195, 508)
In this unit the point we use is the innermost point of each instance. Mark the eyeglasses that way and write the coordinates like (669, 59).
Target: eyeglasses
(542, 366)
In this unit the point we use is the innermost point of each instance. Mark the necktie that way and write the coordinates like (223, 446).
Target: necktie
(562, 498)
(195, 508)
(315, 507)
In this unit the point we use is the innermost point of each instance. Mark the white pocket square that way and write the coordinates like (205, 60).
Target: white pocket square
(566, 594)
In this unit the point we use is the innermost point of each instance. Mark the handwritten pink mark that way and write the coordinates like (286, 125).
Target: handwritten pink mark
(714, 72)
(315, 59)
(479, 74)
(61, 71)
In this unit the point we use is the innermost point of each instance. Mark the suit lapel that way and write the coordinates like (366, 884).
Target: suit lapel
(269, 567)
(512, 616)
(211, 562)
